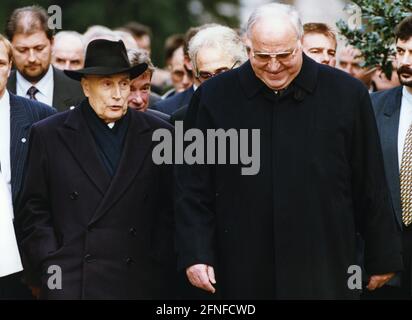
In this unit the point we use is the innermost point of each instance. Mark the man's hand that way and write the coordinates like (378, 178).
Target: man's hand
(378, 281)
(202, 276)
(35, 291)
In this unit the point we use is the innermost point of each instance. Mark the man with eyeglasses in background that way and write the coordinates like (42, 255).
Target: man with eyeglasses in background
(289, 231)
(212, 51)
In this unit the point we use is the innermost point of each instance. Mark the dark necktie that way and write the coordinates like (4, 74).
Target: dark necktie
(32, 92)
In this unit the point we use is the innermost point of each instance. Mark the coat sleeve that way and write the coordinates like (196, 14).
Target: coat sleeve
(36, 234)
(375, 217)
(195, 200)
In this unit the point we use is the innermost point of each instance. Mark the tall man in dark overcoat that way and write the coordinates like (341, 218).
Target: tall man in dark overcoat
(289, 231)
(96, 213)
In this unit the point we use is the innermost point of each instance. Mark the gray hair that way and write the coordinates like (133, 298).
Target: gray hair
(275, 11)
(220, 37)
(138, 56)
(67, 34)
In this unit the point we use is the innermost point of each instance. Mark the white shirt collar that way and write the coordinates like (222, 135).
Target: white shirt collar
(45, 85)
(407, 95)
(5, 137)
(5, 100)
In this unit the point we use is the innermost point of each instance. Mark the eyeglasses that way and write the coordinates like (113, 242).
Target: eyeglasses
(204, 75)
(283, 56)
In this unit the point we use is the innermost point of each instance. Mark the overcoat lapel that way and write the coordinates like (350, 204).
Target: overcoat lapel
(136, 149)
(79, 140)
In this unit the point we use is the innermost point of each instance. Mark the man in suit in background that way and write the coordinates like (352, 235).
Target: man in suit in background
(35, 77)
(393, 111)
(17, 115)
(177, 100)
(108, 223)
(140, 87)
(68, 50)
(212, 50)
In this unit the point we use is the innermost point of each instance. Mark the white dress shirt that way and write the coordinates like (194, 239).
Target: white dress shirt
(10, 261)
(45, 87)
(5, 138)
(405, 120)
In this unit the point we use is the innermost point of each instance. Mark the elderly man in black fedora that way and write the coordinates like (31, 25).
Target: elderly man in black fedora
(91, 223)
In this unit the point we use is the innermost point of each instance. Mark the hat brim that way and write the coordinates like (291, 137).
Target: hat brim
(134, 71)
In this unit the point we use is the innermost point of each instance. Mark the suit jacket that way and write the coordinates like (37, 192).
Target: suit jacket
(291, 228)
(113, 239)
(387, 107)
(160, 115)
(154, 98)
(23, 114)
(179, 114)
(170, 105)
(66, 93)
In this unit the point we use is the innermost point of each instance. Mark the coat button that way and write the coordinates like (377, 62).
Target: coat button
(129, 260)
(133, 231)
(88, 258)
(74, 195)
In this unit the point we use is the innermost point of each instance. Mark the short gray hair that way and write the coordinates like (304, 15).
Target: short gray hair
(220, 37)
(67, 33)
(138, 56)
(275, 11)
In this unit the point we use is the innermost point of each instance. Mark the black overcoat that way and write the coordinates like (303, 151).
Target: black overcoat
(288, 232)
(112, 238)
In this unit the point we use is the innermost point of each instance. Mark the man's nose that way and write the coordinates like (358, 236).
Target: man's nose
(67, 65)
(117, 92)
(273, 64)
(186, 81)
(138, 98)
(32, 55)
(325, 57)
(406, 59)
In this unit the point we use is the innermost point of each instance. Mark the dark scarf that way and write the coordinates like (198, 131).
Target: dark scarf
(109, 141)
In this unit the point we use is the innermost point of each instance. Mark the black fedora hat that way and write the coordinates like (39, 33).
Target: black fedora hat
(105, 57)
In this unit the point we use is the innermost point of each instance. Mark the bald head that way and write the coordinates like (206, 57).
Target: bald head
(274, 34)
(275, 17)
(68, 51)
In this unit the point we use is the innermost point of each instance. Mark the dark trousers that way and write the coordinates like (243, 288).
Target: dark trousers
(12, 288)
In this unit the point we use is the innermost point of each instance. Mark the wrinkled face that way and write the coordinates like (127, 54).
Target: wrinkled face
(5, 67)
(140, 92)
(32, 55)
(404, 61)
(275, 53)
(210, 62)
(320, 48)
(107, 95)
(180, 78)
(68, 54)
(350, 60)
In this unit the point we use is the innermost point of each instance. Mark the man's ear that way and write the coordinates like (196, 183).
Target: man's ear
(86, 86)
(10, 64)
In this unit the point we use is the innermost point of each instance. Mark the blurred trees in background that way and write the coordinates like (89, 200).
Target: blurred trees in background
(164, 17)
(375, 38)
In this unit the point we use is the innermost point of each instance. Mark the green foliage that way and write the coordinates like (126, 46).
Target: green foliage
(375, 38)
(165, 17)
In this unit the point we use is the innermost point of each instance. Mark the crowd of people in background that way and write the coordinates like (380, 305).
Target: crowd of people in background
(89, 199)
